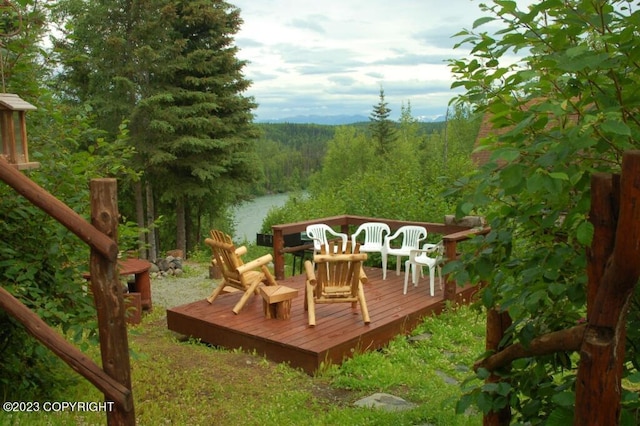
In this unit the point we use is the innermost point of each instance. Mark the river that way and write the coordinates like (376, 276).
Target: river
(249, 215)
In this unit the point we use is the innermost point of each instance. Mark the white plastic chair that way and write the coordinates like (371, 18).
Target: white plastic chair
(374, 233)
(411, 238)
(318, 233)
(420, 258)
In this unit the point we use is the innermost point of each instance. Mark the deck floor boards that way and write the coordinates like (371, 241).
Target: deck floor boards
(339, 331)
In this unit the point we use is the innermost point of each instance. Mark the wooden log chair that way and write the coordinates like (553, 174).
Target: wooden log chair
(338, 277)
(235, 273)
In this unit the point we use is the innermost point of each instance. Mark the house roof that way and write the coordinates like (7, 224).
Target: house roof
(482, 156)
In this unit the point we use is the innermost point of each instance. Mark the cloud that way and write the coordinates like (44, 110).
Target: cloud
(312, 23)
(332, 57)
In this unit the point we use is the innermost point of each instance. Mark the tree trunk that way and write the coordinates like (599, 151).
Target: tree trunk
(153, 249)
(598, 384)
(181, 225)
(139, 200)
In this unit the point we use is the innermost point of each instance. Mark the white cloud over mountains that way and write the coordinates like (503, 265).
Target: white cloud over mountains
(332, 57)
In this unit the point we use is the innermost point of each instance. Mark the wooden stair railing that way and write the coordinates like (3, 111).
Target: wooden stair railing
(114, 379)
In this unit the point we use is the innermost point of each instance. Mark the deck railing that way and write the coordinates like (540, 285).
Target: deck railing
(452, 235)
(114, 380)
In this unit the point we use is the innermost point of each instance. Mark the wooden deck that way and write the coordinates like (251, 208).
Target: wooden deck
(339, 333)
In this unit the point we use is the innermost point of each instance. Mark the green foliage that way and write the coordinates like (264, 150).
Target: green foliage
(405, 184)
(39, 263)
(382, 128)
(289, 154)
(562, 113)
(422, 367)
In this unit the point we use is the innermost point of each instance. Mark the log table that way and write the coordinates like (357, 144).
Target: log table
(276, 300)
(139, 268)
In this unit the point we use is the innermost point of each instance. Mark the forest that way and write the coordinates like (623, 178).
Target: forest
(182, 143)
(291, 152)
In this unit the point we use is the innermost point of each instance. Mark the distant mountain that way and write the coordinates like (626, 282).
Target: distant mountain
(337, 120)
(320, 119)
(436, 119)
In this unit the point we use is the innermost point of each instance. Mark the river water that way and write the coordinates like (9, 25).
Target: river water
(249, 215)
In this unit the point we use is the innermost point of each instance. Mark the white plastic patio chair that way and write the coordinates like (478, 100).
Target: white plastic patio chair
(374, 233)
(411, 238)
(318, 233)
(430, 256)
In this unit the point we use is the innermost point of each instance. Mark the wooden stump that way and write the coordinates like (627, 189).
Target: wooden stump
(276, 301)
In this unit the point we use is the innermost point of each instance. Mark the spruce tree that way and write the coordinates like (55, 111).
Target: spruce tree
(382, 129)
(197, 127)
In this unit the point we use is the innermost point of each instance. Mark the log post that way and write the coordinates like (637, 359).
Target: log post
(278, 254)
(109, 300)
(598, 384)
(497, 324)
(605, 200)
(450, 254)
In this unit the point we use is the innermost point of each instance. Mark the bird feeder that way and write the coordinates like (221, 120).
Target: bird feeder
(13, 131)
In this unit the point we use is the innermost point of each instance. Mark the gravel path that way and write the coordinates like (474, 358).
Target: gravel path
(194, 284)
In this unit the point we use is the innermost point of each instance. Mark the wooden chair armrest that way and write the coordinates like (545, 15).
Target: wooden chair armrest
(256, 263)
(267, 274)
(241, 251)
(311, 274)
(363, 276)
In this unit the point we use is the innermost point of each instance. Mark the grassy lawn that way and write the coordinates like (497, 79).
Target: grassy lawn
(186, 382)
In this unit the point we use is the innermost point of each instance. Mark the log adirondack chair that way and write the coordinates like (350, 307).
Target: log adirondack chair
(235, 273)
(338, 278)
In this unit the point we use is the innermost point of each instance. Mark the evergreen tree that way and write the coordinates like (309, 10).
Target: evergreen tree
(170, 69)
(196, 131)
(409, 126)
(382, 128)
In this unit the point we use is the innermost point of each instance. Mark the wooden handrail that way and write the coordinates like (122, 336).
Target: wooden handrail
(452, 235)
(114, 380)
(39, 329)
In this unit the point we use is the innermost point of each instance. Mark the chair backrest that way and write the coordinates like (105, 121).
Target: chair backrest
(412, 236)
(374, 233)
(224, 253)
(318, 232)
(338, 274)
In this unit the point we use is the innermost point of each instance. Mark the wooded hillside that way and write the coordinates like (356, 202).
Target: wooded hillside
(291, 152)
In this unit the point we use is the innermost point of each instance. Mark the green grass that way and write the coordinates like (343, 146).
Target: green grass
(177, 382)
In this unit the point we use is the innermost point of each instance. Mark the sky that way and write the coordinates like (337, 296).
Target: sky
(332, 57)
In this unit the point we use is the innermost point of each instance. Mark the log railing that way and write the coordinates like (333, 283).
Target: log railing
(114, 380)
(613, 271)
(452, 236)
